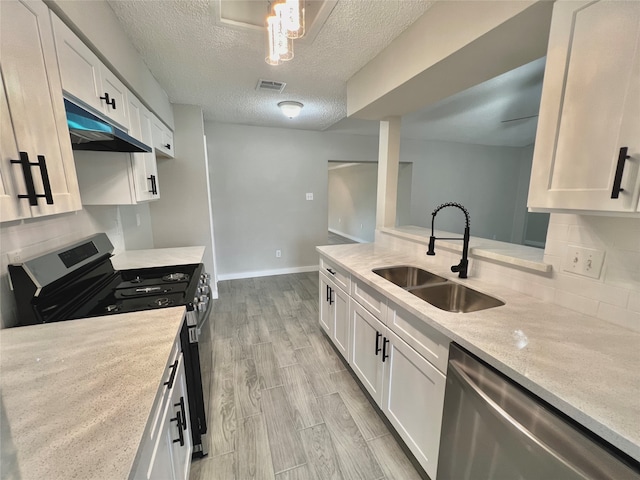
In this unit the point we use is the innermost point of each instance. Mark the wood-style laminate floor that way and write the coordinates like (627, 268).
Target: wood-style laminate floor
(281, 403)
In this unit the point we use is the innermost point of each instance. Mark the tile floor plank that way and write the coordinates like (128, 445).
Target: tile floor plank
(266, 365)
(321, 453)
(284, 439)
(320, 381)
(222, 415)
(253, 455)
(355, 458)
(214, 468)
(247, 388)
(282, 344)
(392, 459)
(298, 473)
(296, 334)
(365, 416)
(302, 399)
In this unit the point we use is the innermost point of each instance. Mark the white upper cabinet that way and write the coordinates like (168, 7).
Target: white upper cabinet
(590, 110)
(162, 138)
(37, 173)
(85, 78)
(145, 170)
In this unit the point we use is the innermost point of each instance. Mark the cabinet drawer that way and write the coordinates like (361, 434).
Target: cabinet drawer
(373, 301)
(427, 341)
(339, 275)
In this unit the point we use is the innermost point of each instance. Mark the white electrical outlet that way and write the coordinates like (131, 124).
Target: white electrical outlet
(309, 196)
(138, 222)
(584, 261)
(15, 256)
(278, 253)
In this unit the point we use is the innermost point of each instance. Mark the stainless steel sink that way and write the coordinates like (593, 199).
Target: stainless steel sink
(453, 297)
(408, 277)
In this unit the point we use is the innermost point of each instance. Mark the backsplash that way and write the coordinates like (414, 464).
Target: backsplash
(613, 297)
(34, 237)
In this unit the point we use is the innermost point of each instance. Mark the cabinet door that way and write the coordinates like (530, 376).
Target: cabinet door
(79, 66)
(162, 137)
(324, 313)
(145, 171)
(413, 399)
(367, 335)
(161, 457)
(35, 106)
(116, 110)
(340, 318)
(590, 109)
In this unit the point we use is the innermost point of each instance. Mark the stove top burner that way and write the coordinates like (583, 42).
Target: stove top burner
(176, 277)
(162, 302)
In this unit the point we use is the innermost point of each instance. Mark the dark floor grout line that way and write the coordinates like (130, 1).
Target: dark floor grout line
(376, 437)
(289, 469)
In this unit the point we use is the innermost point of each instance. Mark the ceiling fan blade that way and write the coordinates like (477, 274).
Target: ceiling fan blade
(519, 118)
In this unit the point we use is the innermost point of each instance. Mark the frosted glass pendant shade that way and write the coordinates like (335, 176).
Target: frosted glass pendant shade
(293, 18)
(273, 53)
(284, 43)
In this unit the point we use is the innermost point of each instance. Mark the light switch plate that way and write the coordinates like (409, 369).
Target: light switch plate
(584, 261)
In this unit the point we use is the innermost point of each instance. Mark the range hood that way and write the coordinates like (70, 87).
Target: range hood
(88, 132)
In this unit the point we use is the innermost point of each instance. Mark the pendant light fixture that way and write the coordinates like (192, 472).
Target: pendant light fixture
(285, 22)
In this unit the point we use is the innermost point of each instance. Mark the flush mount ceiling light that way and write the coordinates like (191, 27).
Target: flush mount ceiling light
(285, 21)
(290, 109)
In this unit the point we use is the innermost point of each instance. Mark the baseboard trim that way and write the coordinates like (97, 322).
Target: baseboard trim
(350, 237)
(266, 273)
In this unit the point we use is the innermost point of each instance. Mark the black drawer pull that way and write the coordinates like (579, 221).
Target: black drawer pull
(184, 414)
(617, 180)
(179, 420)
(332, 272)
(167, 146)
(172, 377)
(28, 179)
(384, 349)
(108, 101)
(378, 335)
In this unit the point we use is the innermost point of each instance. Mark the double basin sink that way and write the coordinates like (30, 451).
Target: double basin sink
(437, 290)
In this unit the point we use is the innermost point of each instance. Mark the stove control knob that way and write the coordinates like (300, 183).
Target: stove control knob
(204, 298)
(205, 289)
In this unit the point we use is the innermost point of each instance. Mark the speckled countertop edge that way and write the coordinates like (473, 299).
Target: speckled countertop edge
(157, 257)
(583, 366)
(77, 395)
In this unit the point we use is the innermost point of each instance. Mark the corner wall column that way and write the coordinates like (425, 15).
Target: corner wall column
(388, 162)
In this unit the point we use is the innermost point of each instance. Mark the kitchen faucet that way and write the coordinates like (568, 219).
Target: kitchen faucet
(461, 268)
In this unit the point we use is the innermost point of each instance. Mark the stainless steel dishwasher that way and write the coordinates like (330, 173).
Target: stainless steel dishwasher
(494, 429)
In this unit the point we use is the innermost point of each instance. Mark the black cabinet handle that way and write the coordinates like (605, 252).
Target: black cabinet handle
(154, 185)
(179, 420)
(172, 377)
(328, 294)
(28, 179)
(384, 349)
(332, 272)
(617, 180)
(331, 301)
(111, 102)
(184, 415)
(378, 335)
(167, 146)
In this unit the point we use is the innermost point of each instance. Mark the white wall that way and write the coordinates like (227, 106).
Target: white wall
(484, 179)
(352, 199)
(259, 179)
(37, 236)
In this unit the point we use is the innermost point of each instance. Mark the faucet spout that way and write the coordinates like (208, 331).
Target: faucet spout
(462, 268)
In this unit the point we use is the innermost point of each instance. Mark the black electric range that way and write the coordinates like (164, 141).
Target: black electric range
(79, 281)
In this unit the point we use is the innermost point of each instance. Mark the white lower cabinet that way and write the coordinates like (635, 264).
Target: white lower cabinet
(334, 314)
(413, 399)
(166, 448)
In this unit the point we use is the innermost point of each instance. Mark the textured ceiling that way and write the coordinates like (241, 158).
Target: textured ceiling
(199, 60)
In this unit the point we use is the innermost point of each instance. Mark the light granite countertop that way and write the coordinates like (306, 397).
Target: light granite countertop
(584, 366)
(157, 257)
(76, 395)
